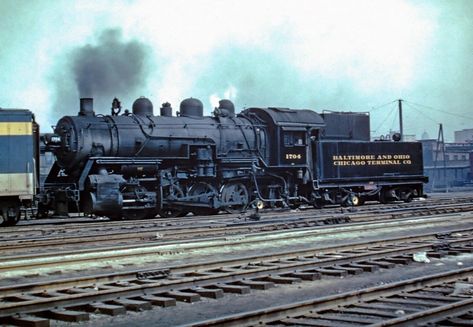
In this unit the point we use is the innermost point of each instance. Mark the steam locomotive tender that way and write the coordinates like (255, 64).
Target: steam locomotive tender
(138, 165)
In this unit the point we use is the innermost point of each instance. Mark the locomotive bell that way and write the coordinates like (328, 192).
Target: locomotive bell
(226, 108)
(191, 108)
(142, 107)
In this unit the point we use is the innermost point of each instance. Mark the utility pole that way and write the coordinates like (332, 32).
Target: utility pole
(399, 102)
(440, 148)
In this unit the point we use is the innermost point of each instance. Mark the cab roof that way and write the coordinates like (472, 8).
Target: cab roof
(288, 117)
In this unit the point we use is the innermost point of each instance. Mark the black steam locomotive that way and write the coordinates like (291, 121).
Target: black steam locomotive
(138, 165)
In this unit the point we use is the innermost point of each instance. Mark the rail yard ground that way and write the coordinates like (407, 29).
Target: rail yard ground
(332, 267)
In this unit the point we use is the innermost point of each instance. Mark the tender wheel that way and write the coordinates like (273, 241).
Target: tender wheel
(316, 200)
(407, 195)
(236, 196)
(385, 196)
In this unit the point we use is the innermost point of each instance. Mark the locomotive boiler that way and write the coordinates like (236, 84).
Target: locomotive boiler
(138, 164)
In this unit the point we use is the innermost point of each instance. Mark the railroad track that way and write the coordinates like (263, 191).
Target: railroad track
(441, 299)
(72, 299)
(292, 221)
(40, 229)
(103, 257)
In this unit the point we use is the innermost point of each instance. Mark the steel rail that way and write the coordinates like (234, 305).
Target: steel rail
(299, 309)
(377, 208)
(28, 261)
(199, 231)
(202, 274)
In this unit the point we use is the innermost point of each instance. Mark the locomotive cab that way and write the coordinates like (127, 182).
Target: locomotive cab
(287, 176)
(289, 133)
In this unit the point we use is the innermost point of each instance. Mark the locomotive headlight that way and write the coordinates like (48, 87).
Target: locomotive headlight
(55, 139)
(51, 139)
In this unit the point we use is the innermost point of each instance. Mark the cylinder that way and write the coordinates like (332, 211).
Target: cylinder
(86, 107)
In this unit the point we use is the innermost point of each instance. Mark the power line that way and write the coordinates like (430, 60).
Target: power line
(381, 106)
(392, 123)
(439, 110)
(411, 105)
(385, 118)
(410, 126)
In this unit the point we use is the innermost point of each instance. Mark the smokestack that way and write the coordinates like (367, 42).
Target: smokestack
(86, 107)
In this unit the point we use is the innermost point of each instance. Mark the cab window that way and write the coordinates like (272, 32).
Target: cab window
(294, 139)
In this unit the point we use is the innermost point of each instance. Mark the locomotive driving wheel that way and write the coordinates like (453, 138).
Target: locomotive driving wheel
(203, 193)
(235, 197)
(174, 193)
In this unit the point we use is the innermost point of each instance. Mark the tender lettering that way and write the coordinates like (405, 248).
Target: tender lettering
(371, 160)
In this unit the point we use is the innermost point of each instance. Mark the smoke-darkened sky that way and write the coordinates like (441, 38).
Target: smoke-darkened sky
(336, 55)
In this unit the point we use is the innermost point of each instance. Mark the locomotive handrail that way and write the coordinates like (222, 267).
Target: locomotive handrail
(257, 187)
(119, 160)
(260, 196)
(202, 124)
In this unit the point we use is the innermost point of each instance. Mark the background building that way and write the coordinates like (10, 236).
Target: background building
(464, 136)
(448, 165)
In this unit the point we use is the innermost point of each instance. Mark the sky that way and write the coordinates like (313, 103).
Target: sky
(342, 55)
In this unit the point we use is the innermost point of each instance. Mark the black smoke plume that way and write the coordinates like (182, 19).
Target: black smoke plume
(112, 66)
(107, 68)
